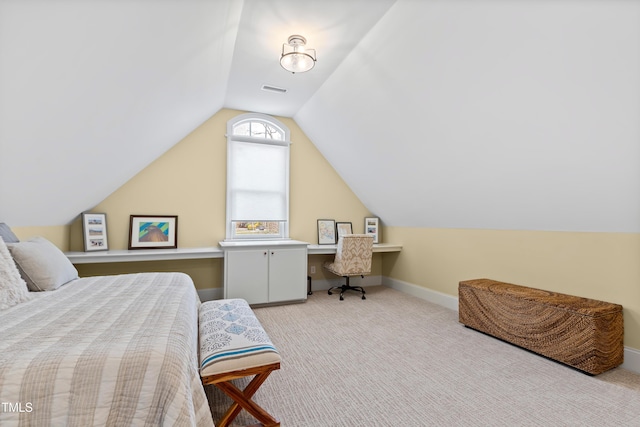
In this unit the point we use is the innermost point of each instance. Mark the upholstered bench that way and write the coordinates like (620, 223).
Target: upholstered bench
(234, 345)
(583, 333)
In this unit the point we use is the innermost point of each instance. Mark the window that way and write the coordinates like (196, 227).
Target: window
(257, 178)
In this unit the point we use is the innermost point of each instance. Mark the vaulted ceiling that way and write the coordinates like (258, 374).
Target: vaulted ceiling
(458, 113)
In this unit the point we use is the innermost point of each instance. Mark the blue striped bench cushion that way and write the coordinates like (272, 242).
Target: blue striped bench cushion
(232, 338)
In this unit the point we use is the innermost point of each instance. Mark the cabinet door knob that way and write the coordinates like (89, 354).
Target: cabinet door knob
(272, 253)
(265, 253)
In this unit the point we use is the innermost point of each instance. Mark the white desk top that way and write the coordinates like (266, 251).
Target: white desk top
(143, 255)
(243, 244)
(197, 253)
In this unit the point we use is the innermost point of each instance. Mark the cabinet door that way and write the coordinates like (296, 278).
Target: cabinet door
(246, 275)
(287, 274)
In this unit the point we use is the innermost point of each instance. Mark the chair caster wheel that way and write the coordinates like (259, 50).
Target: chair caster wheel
(363, 297)
(329, 293)
(341, 298)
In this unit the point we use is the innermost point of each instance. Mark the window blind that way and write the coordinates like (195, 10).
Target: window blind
(258, 175)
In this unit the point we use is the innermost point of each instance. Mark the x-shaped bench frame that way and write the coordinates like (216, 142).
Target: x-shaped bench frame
(242, 398)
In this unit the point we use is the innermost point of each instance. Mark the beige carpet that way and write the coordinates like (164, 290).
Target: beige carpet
(396, 360)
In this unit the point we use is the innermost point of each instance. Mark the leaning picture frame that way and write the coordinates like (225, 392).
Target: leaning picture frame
(326, 232)
(153, 232)
(94, 232)
(343, 228)
(372, 227)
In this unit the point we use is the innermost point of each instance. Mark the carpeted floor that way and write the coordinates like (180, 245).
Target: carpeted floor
(396, 360)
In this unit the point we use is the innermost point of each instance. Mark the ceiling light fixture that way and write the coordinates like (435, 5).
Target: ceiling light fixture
(295, 58)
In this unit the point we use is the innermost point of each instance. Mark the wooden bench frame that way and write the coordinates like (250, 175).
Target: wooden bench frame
(242, 398)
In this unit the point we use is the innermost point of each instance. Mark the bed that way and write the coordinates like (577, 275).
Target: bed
(110, 350)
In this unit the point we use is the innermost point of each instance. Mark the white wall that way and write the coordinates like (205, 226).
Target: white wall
(92, 92)
(490, 114)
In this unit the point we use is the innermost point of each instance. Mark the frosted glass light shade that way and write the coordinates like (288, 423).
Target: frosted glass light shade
(295, 58)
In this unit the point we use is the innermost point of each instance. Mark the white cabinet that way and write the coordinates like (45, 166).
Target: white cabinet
(288, 274)
(246, 275)
(265, 272)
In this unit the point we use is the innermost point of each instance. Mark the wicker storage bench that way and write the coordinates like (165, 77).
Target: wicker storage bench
(583, 333)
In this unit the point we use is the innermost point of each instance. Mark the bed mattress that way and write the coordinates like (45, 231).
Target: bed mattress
(109, 350)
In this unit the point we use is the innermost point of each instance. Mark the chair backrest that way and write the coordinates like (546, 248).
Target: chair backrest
(353, 255)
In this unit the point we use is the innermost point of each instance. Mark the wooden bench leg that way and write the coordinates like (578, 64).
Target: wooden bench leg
(242, 398)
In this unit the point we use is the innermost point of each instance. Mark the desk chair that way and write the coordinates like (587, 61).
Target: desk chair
(353, 258)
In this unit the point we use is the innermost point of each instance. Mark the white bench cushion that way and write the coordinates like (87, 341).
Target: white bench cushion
(232, 338)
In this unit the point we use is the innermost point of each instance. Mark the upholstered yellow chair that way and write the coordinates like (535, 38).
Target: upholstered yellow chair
(353, 258)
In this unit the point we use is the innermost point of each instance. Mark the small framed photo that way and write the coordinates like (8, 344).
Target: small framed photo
(343, 228)
(153, 232)
(94, 231)
(326, 232)
(372, 226)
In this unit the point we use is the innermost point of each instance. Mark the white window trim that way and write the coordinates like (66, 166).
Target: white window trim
(284, 229)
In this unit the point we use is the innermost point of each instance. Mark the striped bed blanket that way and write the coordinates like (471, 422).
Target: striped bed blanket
(108, 351)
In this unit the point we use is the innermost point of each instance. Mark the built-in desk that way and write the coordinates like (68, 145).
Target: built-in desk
(98, 257)
(239, 250)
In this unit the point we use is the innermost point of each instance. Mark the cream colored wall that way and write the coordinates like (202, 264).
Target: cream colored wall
(603, 266)
(58, 235)
(190, 181)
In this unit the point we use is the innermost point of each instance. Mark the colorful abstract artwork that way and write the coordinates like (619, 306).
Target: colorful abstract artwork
(153, 232)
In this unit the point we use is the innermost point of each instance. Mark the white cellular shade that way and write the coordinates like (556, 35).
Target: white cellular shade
(258, 177)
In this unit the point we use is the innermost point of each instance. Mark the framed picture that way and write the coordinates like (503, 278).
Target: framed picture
(153, 232)
(326, 232)
(343, 228)
(94, 231)
(371, 226)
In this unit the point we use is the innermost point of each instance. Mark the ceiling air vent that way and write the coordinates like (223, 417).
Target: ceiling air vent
(274, 89)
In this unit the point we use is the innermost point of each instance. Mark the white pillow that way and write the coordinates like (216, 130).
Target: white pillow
(13, 290)
(42, 265)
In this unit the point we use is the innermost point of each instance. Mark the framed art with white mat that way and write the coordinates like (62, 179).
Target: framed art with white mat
(372, 227)
(94, 232)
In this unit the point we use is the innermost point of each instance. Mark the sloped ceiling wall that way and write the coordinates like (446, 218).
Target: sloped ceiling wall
(459, 114)
(91, 92)
(490, 114)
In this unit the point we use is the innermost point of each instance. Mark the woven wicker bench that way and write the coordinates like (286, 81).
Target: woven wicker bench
(234, 345)
(583, 333)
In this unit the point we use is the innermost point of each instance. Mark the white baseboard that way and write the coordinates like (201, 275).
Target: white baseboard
(631, 360)
(435, 297)
(631, 355)
(316, 285)
(210, 294)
